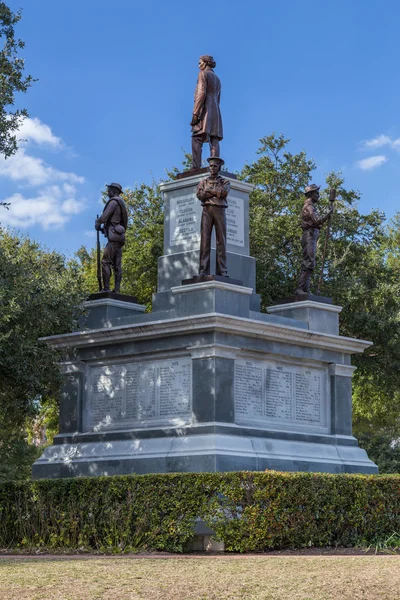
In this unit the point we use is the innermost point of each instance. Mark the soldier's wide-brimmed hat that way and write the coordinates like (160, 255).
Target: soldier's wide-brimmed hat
(311, 188)
(114, 185)
(217, 158)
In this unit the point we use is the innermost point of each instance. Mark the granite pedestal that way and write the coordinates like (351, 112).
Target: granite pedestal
(205, 382)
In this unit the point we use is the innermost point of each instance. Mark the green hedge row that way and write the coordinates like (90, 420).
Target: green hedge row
(249, 511)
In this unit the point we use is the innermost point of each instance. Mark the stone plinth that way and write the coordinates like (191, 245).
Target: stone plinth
(103, 307)
(205, 392)
(319, 316)
(182, 216)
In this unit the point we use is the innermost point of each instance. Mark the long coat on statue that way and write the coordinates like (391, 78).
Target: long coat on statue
(206, 105)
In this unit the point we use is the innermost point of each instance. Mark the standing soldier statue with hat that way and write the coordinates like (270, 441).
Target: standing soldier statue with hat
(206, 121)
(311, 224)
(115, 222)
(212, 193)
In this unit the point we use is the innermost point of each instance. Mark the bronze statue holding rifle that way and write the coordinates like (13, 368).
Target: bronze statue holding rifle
(113, 223)
(311, 224)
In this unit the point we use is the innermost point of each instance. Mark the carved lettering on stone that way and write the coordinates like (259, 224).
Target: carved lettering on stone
(278, 394)
(235, 221)
(184, 216)
(175, 382)
(249, 389)
(308, 396)
(141, 394)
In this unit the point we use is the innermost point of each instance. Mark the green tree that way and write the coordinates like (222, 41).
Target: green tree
(40, 295)
(12, 80)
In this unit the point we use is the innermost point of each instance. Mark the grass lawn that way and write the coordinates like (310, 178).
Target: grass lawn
(208, 578)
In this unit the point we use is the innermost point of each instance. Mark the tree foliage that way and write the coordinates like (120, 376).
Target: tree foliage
(40, 295)
(12, 80)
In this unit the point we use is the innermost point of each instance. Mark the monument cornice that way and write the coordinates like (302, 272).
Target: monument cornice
(175, 184)
(249, 328)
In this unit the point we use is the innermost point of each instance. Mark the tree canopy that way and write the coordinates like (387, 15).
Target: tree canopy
(12, 80)
(40, 295)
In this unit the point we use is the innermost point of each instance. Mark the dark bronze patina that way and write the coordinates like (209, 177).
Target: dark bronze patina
(213, 192)
(332, 198)
(114, 220)
(206, 121)
(311, 224)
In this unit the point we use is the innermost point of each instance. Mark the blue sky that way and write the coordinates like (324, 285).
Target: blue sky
(114, 97)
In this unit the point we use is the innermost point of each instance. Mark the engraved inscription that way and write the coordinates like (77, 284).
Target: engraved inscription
(184, 220)
(141, 394)
(235, 221)
(308, 396)
(276, 394)
(174, 382)
(107, 397)
(279, 394)
(249, 389)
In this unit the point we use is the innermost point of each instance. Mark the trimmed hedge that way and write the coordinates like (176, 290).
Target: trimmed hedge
(249, 511)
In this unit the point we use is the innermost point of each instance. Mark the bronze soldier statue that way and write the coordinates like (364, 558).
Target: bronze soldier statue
(206, 121)
(213, 192)
(115, 221)
(311, 223)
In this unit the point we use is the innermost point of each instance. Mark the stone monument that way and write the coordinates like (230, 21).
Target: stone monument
(205, 382)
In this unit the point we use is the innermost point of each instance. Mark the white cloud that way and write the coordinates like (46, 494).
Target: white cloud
(33, 170)
(380, 141)
(49, 209)
(53, 197)
(33, 130)
(71, 206)
(372, 162)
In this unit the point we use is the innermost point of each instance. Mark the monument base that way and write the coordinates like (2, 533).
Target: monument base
(211, 452)
(201, 278)
(203, 171)
(205, 392)
(103, 307)
(114, 296)
(319, 314)
(304, 298)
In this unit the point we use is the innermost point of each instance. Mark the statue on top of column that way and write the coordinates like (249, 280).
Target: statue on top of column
(206, 120)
